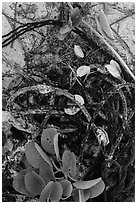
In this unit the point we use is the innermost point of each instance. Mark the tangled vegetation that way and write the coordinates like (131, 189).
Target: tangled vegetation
(71, 116)
(54, 182)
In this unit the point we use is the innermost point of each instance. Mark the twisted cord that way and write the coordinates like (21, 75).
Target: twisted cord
(22, 29)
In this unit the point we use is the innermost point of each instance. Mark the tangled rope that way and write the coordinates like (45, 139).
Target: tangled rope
(108, 111)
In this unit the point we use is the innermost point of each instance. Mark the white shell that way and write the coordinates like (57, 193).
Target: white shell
(83, 70)
(78, 51)
(116, 65)
(102, 136)
(79, 99)
(113, 71)
(71, 111)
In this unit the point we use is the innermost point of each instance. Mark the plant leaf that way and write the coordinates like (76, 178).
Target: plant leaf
(52, 191)
(75, 195)
(56, 192)
(105, 25)
(45, 194)
(97, 189)
(86, 194)
(47, 140)
(23, 172)
(79, 99)
(69, 163)
(19, 185)
(78, 51)
(81, 196)
(34, 183)
(46, 172)
(43, 154)
(18, 182)
(56, 147)
(83, 70)
(65, 29)
(67, 188)
(86, 184)
(75, 17)
(73, 165)
(32, 155)
(66, 161)
(25, 161)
